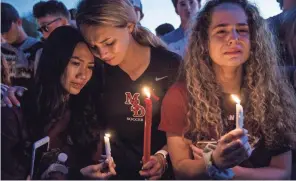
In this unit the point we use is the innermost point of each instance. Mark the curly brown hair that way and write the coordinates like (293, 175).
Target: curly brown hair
(271, 108)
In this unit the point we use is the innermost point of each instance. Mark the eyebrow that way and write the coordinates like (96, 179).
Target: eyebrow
(81, 60)
(225, 25)
(105, 40)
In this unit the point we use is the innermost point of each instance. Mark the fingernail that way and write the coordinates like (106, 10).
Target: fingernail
(20, 93)
(18, 105)
(10, 105)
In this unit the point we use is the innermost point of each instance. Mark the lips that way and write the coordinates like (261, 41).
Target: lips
(107, 60)
(233, 52)
(77, 85)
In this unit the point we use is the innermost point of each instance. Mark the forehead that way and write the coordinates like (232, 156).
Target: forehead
(184, 1)
(228, 13)
(96, 34)
(46, 19)
(82, 51)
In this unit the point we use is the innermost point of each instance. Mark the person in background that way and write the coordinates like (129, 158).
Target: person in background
(164, 29)
(287, 37)
(5, 72)
(177, 40)
(73, 12)
(231, 51)
(50, 15)
(275, 24)
(138, 8)
(19, 49)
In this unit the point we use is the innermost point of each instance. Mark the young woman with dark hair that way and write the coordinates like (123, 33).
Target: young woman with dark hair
(56, 106)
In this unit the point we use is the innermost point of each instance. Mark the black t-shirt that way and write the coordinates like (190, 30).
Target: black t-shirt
(124, 110)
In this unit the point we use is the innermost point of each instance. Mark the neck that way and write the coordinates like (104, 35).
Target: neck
(22, 36)
(230, 78)
(184, 25)
(136, 60)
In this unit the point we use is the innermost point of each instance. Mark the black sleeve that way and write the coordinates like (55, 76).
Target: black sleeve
(12, 161)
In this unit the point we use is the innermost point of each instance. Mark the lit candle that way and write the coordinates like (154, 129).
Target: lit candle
(147, 126)
(239, 114)
(107, 145)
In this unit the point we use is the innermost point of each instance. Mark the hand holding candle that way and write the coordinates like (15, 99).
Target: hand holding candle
(239, 116)
(107, 145)
(147, 127)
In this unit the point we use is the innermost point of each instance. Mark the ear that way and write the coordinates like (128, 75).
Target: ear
(64, 21)
(19, 22)
(131, 27)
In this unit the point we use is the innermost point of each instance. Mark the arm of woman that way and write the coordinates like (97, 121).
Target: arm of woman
(12, 167)
(279, 168)
(181, 156)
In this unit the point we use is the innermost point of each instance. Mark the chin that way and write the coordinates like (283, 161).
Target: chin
(74, 91)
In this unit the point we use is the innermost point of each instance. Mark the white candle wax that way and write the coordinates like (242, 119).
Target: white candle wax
(239, 112)
(239, 118)
(107, 145)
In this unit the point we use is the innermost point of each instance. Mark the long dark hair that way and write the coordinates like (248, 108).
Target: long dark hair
(46, 101)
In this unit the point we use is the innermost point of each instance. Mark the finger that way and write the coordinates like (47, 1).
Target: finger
(150, 163)
(144, 173)
(112, 166)
(196, 150)
(231, 147)
(11, 95)
(3, 90)
(91, 168)
(4, 86)
(232, 135)
(196, 156)
(20, 88)
(157, 168)
(197, 153)
(7, 101)
(103, 156)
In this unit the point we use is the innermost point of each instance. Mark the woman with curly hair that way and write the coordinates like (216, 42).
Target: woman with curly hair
(230, 52)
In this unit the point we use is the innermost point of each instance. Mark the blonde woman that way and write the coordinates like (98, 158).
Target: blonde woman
(133, 58)
(230, 52)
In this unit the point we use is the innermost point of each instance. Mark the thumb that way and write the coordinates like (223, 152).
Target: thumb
(91, 168)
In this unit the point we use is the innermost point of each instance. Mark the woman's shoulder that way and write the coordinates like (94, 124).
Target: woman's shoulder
(165, 56)
(177, 91)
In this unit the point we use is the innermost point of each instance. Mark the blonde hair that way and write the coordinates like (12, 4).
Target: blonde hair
(271, 108)
(117, 13)
(288, 34)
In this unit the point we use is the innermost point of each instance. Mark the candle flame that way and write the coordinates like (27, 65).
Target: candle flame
(108, 135)
(147, 92)
(235, 98)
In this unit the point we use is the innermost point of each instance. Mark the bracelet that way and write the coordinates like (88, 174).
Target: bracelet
(163, 161)
(213, 171)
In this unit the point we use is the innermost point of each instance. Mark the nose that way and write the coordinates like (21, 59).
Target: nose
(233, 37)
(187, 6)
(103, 53)
(82, 74)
